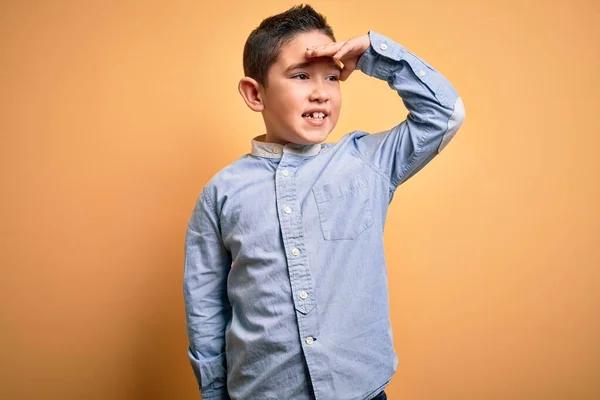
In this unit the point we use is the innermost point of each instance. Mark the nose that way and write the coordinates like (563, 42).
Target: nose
(319, 92)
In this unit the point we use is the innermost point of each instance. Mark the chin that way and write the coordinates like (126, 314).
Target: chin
(311, 137)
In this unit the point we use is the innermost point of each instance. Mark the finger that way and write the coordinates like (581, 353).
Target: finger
(349, 68)
(350, 63)
(344, 50)
(324, 51)
(345, 74)
(327, 50)
(347, 57)
(350, 48)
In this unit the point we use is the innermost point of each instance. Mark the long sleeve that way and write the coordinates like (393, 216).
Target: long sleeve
(435, 111)
(207, 308)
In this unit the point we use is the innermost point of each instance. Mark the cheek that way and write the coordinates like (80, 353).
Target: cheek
(281, 107)
(291, 100)
(337, 102)
(289, 107)
(336, 96)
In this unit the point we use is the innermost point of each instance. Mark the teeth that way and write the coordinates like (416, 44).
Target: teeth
(315, 115)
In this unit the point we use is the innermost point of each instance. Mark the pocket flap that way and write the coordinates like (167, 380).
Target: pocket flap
(338, 189)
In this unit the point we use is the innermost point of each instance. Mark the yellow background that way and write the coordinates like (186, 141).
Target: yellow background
(115, 114)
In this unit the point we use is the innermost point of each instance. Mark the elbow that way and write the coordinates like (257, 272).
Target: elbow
(454, 123)
(458, 115)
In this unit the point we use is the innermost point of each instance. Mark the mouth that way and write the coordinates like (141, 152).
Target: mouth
(315, 115)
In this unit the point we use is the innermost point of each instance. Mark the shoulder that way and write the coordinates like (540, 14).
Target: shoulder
(347, 143)
(345, 140)
(222, 179)
(227, 176)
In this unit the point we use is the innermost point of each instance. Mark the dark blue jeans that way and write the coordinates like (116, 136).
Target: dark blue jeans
(380, 396)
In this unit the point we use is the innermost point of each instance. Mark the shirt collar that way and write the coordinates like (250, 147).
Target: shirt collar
(275, 150)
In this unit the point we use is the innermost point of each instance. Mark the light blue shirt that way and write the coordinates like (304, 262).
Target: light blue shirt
(285, 279)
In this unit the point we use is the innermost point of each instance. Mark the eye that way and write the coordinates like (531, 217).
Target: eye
(333, 78)
(301, 76)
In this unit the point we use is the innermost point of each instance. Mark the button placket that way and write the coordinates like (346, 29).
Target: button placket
(292, 232)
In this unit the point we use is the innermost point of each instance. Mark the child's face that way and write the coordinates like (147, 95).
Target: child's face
(302, 99)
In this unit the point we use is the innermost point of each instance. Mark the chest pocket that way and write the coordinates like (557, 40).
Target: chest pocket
(344, 208)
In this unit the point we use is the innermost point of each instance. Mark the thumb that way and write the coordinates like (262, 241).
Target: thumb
(349, 68)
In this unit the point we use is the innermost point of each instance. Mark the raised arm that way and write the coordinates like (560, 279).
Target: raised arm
(207, 307)
(435, 109)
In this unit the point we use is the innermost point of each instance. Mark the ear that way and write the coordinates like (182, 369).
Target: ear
(250, 91)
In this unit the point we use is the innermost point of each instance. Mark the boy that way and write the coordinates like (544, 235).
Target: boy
(285, 280)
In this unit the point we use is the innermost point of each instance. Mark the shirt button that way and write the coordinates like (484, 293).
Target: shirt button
(285, 172)
(276, 149)
(303, 295)
(287, 210)
(295, 252)
(383, 46)
(310, 340)
(421, 73)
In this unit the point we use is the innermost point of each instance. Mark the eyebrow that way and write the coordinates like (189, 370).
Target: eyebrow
(307, 64)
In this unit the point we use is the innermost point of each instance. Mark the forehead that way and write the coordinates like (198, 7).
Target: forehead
(295, 50)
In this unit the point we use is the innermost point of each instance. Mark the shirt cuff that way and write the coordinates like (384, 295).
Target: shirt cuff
(216, 394)
(385, 58)
(379, 59)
